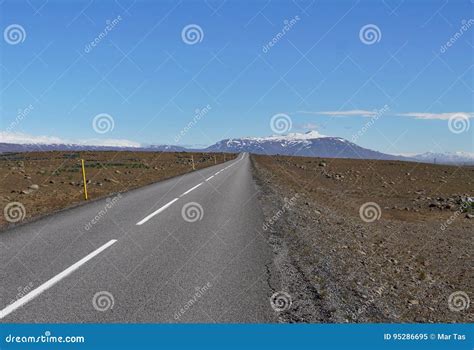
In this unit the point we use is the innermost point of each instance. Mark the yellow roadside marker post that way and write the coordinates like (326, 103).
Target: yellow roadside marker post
(84, 179)
(215, 160)
(192, 159)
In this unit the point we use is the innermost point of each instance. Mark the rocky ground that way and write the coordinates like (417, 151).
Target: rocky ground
(369, 241)
(44, 182)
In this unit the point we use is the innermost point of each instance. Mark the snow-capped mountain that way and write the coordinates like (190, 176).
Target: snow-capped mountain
(446, 158)
(310, 144)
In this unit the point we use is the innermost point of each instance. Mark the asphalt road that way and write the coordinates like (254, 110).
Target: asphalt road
(188, 249)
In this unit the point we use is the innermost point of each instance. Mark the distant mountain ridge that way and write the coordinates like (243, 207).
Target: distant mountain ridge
(37, 147)
(309, 144)
(446, 158)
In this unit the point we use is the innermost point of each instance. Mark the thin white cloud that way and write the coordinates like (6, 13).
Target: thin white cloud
(349, 113)
(309, 126)
(21, 138)
(437, 116)
(369, 114)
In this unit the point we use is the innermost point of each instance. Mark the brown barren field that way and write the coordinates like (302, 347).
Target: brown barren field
(44, 182)
(400, 262)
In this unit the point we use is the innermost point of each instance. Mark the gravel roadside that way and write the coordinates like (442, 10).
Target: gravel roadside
(337, 268)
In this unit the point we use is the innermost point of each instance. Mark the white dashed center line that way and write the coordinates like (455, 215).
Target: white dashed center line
(191, 189)
(156, 212)
(48, 284)
(185, 193)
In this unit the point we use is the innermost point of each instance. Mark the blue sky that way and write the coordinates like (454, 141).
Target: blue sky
(319, 71)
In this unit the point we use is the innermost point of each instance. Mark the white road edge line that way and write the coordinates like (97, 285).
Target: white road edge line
(191, 189)
(48, 284)
(209, 178)
(156, 212)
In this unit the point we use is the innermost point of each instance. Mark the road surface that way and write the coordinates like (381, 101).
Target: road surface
(188, 249)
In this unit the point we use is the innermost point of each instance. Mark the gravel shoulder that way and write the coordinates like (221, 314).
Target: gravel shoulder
(338, 268)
